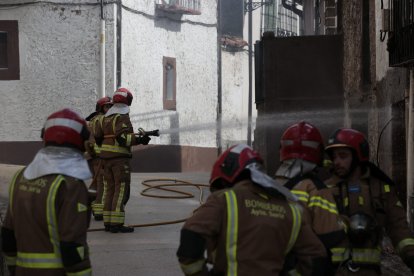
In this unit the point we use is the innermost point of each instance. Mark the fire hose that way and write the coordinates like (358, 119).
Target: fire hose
(162, 183)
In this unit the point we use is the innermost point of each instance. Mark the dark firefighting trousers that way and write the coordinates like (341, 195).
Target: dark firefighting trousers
(118, 180)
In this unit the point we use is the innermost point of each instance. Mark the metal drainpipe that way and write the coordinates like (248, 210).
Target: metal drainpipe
(219, 82)
(410, 148)
(249, 114)
(102, 54)
(118, 44)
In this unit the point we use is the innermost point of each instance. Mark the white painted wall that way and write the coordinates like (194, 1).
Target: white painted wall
(59, 65)
(235, 88)
(146, 38)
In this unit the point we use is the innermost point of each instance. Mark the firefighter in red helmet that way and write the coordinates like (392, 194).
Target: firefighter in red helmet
(248, 224)
(97, 188)
(116, 136)
(44, 232)
(301, 153)
(366, 198)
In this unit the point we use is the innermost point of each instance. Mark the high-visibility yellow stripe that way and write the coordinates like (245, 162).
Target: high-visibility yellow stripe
(346, 201)
(114, 123)
(322, 203)
(38, 260)
(359, 255)
(129, 139)
(120, 197)
(232, 232)
(96, 148)
(194, 267)
(404, 243)
(386, 188)
(107, 216)
(105, 188)
(85, 272)
(11, 190)
(10, 261)
(366, 256)
(296, 224)
(51, 217)
(51, 211)
(293, 272)
(302, 196)
(360, 200)
(114, 148)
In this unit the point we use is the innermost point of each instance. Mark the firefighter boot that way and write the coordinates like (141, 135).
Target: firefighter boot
(121, 228)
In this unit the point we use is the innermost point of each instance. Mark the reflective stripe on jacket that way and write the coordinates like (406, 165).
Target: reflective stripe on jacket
(114, 127)
(43, 214)
(251, 232)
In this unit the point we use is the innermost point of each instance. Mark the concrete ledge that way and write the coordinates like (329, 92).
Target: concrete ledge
(151, 158)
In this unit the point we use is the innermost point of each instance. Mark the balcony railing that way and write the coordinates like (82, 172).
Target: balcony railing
(180, 6)
(401, 37)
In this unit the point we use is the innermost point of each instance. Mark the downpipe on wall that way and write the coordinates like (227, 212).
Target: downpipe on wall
(410, 148)
(102, 54)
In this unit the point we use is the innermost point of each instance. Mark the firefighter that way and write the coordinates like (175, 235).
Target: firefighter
(116, 136)
(97, 187)
(249, 223)
(366, 198)
(44, 232)
(301, 154)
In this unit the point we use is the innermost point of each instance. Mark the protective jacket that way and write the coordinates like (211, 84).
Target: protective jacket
(319, 201)
(92, 149)
(116, 135)
(44, 232)
(249, 232)
(374, 197)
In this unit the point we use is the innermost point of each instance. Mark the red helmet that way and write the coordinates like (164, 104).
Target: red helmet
(350, 138)
(232, 162)
(65, 128)
(303, 141)
(102, 102)
(122, 95)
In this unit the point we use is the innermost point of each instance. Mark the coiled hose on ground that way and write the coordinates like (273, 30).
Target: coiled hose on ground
(161, 184)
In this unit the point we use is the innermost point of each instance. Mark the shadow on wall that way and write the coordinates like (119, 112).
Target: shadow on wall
(168, 21)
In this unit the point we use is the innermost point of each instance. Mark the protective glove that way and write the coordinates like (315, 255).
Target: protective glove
(143, 140)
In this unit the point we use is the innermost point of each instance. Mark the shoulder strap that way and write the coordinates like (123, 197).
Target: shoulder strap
(318, 183)
(293, 181)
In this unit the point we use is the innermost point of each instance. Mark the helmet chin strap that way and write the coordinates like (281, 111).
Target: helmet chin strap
(294, 167)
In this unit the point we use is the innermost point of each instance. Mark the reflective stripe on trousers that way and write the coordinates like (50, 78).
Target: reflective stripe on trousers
(357, 255)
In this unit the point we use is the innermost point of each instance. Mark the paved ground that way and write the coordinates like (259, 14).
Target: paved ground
(150, 251)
